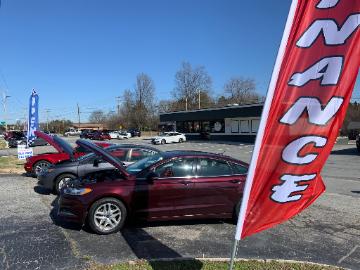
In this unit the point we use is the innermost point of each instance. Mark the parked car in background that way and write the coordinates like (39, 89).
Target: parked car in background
(100, 136)
(166, 186)
(86, 133)
(72, 132)
(134, 132)
(124, 135)
(19, 138)
(64, 151)
(119, 135)
(169, 137)
(358, 143)
(55, 177)
(14, 134)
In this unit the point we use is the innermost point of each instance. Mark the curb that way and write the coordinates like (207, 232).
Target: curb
(236, 260)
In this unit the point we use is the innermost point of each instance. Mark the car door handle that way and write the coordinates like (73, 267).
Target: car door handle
(186, 183)
(235, 181)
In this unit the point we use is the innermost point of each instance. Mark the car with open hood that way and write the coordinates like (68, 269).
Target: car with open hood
(56, 176)
(64, 151)
(166, 186)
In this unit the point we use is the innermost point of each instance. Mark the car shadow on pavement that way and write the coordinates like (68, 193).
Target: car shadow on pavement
(356, 191)
(347, 151)
(58, 221)
(145, 246)
(41, 190)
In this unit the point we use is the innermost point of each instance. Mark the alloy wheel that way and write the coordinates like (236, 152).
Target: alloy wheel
(107, 216)
(40, 166)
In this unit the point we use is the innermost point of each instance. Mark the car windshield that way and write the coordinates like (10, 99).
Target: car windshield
(143, 163)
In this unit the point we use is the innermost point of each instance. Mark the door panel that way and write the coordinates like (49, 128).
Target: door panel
(218, 190)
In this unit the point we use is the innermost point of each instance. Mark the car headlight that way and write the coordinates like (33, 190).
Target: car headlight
(77, 191)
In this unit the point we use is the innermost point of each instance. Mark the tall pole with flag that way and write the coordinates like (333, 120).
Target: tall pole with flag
(309, 92)
(33, 119)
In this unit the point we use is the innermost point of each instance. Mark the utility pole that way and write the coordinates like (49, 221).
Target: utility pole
(199, 99)
(186, 103)
(118, 100)
(4, 101)
(47, 118)
(78, 112)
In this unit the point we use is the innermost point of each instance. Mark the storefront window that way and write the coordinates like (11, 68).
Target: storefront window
(197, 127)
(217, 126)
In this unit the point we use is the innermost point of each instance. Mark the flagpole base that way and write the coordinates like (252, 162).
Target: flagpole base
(233, 254)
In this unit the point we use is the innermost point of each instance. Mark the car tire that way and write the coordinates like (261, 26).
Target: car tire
(61, 180)
(101, 210)
(181, 140)
(163, 141)
(38, 166)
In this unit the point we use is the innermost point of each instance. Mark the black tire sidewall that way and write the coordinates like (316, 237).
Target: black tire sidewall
(96, 204)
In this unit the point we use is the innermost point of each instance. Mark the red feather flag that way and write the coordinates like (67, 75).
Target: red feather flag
(310, 89)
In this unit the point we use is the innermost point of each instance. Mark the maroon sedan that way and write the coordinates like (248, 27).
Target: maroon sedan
(166, 186)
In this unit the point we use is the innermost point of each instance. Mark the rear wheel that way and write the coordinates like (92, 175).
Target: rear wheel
(107, 216)
(62, 180)
(40, 165)
(181, 140)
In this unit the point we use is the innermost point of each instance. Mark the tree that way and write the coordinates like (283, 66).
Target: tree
(241, 91)
(189, 82)
(144, 106)
(97, 117)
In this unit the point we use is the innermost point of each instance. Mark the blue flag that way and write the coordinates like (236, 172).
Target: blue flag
(33, 120)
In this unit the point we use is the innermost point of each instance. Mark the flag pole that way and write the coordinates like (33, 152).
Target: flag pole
(233, 254)
(261, 131)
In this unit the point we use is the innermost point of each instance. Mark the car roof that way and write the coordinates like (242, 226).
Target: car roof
(192, 153)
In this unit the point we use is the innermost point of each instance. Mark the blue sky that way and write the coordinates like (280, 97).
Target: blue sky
(90, 51)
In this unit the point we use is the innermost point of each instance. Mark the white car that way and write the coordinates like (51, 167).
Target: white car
(114, 134)
(119, 135)
(169, 137)
(72, 132)
(124, 135)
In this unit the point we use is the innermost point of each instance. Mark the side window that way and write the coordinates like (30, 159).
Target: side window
(120, 154)
(138, 154)
(238, 169)
(181, 167)
(212, 167)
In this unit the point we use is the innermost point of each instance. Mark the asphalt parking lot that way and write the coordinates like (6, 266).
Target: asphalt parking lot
(31, 236)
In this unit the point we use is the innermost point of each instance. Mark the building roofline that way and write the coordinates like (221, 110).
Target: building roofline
(221, 108)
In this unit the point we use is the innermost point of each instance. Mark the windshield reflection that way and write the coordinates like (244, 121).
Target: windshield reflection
(143, 163)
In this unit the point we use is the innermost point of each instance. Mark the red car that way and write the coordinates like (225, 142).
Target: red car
(165, 186)
(64, 152)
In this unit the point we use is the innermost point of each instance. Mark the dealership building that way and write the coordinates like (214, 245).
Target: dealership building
(231, 123)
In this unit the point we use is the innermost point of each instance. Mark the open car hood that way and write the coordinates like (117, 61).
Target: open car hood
(59, 144)
(105, 155)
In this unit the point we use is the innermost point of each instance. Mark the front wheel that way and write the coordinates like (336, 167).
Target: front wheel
(107, 216)
(61, 181)
(40, 165)
(163, 141)
(181, 140)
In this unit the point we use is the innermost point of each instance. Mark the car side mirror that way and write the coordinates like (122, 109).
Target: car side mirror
(96, 162)
(151, 177)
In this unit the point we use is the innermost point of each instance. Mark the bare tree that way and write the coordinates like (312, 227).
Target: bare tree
(144, 100)
(97, 116)
(190, 83)
(241, 91)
